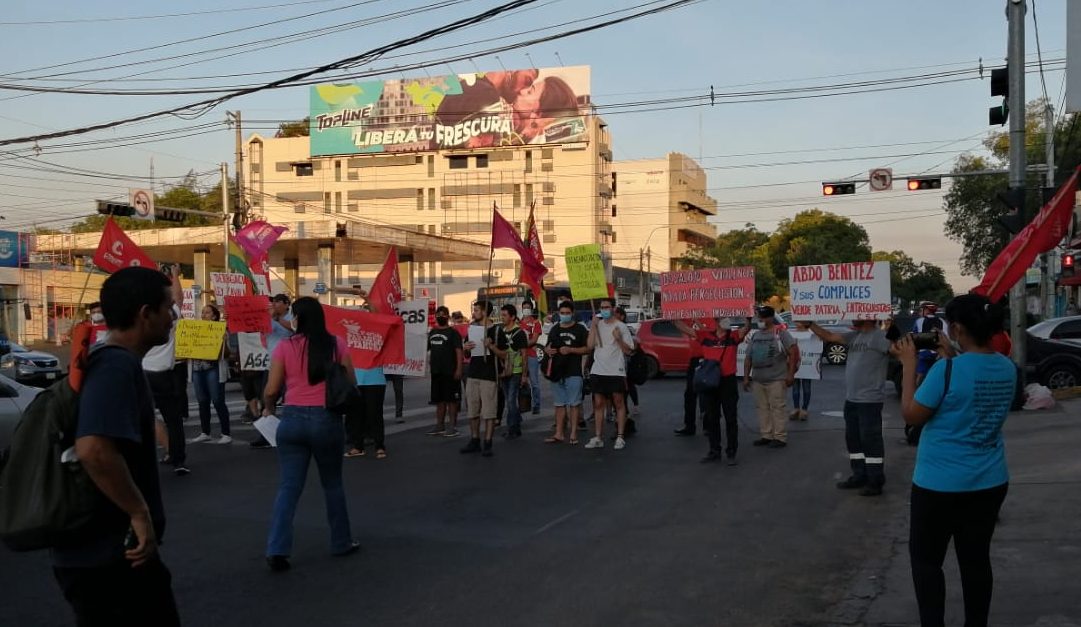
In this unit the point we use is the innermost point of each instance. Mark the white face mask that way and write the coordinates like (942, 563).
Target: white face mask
(97, 318)
(527, 312)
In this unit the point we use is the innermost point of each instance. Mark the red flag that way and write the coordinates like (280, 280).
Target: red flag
(532, 275)
(373, 339)
(1041, 235)
(386, 290)
(505, 236)
(116, 250)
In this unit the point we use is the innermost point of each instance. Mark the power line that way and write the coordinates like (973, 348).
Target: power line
(123, 18)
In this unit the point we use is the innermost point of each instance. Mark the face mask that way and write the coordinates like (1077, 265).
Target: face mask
(606, 314)
(566, 318)
(441, 320)
(97, 318)
(527, 312)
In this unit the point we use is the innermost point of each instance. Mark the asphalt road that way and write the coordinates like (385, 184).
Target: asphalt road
(537, 535)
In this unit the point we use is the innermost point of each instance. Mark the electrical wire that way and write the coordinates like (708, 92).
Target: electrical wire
(121, 18)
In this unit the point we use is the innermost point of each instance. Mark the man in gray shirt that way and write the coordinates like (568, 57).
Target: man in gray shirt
(865, 373)
(771, 363)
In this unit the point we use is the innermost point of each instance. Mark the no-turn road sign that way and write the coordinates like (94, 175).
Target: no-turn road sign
(881, 179)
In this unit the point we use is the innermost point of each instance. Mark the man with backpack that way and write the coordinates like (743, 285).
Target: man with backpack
(113, 575)
(771, 363)
(563, 367)
(721, 345)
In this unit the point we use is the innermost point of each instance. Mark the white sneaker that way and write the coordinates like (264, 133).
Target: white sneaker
(225, 439)
(595, 442)
(620, 443)
(202, 437)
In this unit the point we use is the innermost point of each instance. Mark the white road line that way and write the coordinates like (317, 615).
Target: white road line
(555, 522)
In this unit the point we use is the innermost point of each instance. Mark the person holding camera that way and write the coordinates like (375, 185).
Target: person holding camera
(960, 479)
(865, 373)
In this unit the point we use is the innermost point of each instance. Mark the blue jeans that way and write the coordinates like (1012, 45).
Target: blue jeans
(208, 389)
(510, 387)
(534, 380)
(307, 432)
(803, 385)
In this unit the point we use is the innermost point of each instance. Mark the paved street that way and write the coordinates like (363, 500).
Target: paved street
(547, 535)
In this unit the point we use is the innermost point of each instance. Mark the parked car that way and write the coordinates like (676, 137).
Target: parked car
(14, 397)
(666, 349)
(31, 367)
(1053, 354)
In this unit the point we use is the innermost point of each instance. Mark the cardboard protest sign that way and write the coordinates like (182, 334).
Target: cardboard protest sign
(187, 308)
(841, 291)
(228, 284)
(585, 270)
(414, 314)
(247, 314)
(709, 293)
(253, 352)
(373, 339)
(810, 355)
(199, 339)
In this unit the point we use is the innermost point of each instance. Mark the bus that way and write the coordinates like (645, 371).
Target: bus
(516, 293)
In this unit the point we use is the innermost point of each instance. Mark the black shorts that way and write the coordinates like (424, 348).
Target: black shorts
(252, 383)
(445, 389)
(607, 385)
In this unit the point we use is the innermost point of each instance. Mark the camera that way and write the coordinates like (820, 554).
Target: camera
(926, 341)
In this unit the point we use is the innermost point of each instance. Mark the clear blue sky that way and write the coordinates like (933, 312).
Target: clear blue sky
(732, 46)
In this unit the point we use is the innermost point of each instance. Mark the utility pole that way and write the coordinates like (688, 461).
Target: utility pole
(1015, 64)
(233, 117)
(225, 213)
(1048, 294)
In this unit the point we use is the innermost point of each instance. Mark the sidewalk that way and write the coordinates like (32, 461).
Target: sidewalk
(1036, 551)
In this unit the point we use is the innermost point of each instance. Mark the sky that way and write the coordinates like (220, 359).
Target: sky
(765, 160)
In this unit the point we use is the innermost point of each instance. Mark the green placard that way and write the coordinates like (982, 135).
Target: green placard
(586, 272)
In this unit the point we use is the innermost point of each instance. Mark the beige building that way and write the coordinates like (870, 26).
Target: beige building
(41, 304)
(660, 211)
(448, 193)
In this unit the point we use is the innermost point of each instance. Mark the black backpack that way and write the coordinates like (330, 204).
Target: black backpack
(638, 367)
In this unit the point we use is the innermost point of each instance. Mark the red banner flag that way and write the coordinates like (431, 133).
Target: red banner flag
(116, 250)
(505, 236)
(531, 274)
(257, 237)
(386, 290)
(1041, 235)
(247, 314)
(373, 339)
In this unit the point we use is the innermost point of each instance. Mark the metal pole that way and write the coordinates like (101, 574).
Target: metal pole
(1048, 293)
(225, 213)
(238, 205)
(1015, 59)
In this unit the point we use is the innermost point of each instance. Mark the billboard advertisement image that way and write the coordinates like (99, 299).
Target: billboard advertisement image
(481, 110)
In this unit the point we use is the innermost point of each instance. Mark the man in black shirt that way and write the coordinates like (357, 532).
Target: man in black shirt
(116, 577)
(445, 357)
(481, 392)
(566, 345)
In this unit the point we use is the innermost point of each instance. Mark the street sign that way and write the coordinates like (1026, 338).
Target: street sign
(881, 179)
(320, 288)
(142, 200)
(197, 290)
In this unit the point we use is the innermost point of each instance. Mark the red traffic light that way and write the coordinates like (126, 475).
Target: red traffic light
(1067, 261)
(827, 190)
(837, 189)
(920, 183)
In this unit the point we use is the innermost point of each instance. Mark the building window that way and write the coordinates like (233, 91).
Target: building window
(613, 237)
(431, 270)
(303, 169)
(529, 161)
(528, 192)
(458, 162)
(431, 166)
(326, 202)
(338, 170)
(421, 276)
(482, 161)
(420, 199)
(613, 211)
(431, 199)
(548, 225)
(337, 202)
(516, 195)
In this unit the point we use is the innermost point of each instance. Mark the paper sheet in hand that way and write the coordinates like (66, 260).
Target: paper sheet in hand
(476, 335)
(267, 426)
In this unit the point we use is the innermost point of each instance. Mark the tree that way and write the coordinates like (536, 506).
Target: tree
(972, 209)
(815, 237)
(183, 195)
(739, 247)
(912, 282)
(296, 128)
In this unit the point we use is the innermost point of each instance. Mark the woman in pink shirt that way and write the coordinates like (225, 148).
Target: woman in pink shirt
(307, 429)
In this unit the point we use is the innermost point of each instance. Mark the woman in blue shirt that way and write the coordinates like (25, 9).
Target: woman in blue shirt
(960, 479)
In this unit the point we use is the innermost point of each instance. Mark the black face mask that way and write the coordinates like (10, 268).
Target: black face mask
(441, 320)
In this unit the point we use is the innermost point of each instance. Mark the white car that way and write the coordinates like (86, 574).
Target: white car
(14, 397)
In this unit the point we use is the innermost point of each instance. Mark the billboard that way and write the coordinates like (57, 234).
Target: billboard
(482, 110)
(14, 249)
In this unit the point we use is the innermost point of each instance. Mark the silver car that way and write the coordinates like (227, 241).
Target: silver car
(31, 367)
(14, 397)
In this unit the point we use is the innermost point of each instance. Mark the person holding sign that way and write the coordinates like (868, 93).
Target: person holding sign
(481, 391)
(771, 363)
(610, 340)
(865, 373)
(721, 344)
(209, 377)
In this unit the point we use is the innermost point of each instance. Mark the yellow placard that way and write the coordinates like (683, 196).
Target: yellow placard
(199, 339)
(586, 272)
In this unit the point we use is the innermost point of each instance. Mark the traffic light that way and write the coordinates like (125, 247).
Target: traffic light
(838, 189)
(1067, 265)
(1000, 86)
(924, 182)
(115, 208)
(168, 215)
(1012, 219)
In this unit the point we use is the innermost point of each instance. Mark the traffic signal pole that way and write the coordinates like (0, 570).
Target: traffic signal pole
(1048, 292)
(1015, 64)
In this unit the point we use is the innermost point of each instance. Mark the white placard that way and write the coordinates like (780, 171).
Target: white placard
(267, 426)
(253, 352)
(841, 291)
(476, 335)
(810, 355)
(187, 308)
(228, 284)
(414, 315)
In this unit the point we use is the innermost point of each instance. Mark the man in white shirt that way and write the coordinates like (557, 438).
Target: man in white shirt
(168, 383)
(611, 342)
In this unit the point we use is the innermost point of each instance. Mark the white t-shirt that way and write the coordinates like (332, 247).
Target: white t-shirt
(608, 357)
(162, 358)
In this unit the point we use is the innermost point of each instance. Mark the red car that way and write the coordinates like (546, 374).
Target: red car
(668, 350)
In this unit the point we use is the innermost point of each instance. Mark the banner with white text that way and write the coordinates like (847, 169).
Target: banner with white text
(414, 315)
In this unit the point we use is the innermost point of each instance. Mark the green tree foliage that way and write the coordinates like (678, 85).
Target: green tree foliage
(913, 282)
(972, 210)
(814, 237)
(183, 195)
(740, 247)
(296, 128)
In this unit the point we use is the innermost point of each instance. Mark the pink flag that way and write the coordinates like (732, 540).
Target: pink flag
(256, 238)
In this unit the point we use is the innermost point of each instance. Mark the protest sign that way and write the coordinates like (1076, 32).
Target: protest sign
(187, 308)
(228, 284)
(199, 339)
(373, 339)
(585, 270)
(810, 355)
(414, 314)
(841, 291)
(247, 314)
(253, 351)
(709, 293)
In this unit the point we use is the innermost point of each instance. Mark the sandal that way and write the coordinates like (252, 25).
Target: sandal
(353, 452)
(573, 442)
(553, 440)
(381, 454)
